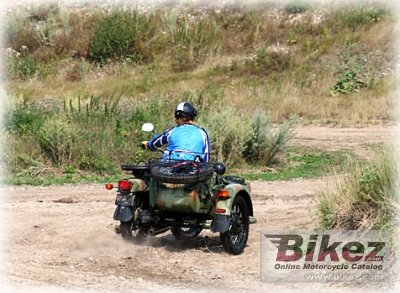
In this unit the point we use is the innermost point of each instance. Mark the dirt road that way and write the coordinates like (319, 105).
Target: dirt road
(62, 237)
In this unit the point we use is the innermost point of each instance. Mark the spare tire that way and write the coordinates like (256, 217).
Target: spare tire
(183, 172)
(139, 171)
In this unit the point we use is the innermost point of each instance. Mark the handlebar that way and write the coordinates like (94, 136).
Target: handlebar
(144, 145)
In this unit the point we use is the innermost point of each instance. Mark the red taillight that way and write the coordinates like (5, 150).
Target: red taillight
(223, 194)
(109, 186)
(125, 185)
(220, 211)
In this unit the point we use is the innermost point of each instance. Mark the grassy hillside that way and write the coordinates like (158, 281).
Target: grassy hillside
(324, 64)
(81, 80)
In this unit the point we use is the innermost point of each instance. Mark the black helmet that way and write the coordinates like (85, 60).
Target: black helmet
(185, 109)
(219, 168)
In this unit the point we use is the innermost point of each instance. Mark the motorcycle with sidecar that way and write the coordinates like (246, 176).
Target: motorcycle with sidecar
(183, 197)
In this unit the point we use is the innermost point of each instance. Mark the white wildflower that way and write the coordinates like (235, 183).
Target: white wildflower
(8, 51)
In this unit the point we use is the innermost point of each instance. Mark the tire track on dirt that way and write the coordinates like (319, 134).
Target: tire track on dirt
(72, 243)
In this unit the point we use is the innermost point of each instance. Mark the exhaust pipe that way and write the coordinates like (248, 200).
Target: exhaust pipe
(154, 232)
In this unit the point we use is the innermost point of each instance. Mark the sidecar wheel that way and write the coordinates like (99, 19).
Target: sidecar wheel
(182, 233)
(235, 239)
(130, 235)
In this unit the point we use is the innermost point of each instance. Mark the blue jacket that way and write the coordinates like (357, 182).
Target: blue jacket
(185, 142)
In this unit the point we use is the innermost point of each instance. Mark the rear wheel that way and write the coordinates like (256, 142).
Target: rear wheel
(136, 235)
(235, 239)
(185, 233)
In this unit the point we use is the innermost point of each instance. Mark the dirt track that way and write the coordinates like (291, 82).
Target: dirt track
(64, 236)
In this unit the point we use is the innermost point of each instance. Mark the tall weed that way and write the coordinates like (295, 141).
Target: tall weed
(20, 31)
(193, 42)
(354, 16)
(228, 130)
(57, 138)
(365, 199)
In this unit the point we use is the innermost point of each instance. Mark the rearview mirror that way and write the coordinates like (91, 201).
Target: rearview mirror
(148, 127)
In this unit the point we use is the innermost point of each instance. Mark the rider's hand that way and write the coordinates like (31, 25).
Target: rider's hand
(145, 144)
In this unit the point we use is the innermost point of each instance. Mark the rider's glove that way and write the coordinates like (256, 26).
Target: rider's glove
(145, 144)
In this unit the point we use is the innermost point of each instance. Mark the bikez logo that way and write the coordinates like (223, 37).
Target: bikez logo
(320, 248)
(309, 256)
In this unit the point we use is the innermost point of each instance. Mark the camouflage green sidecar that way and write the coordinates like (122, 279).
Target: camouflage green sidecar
(154, 202)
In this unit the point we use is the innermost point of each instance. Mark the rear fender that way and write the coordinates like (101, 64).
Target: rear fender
(123, 213)
(139, 185)
(221, 220)
(226, 204)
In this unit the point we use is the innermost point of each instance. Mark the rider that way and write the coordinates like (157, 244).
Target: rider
(186, 141)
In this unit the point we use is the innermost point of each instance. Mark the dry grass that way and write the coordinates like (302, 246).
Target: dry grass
(363, 199)
(280, 101)
(266, 59)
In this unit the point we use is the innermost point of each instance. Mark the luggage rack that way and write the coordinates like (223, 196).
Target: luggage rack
(139, 171)
(181, 172)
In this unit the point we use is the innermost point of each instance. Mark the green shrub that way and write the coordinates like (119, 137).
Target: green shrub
(261, 59)
(266, 62)
(297, 6)
(347, 83)
(25, 119)
(116, 36)
(266, 141)
(357, 68)
(21, 65)
(365, 199)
